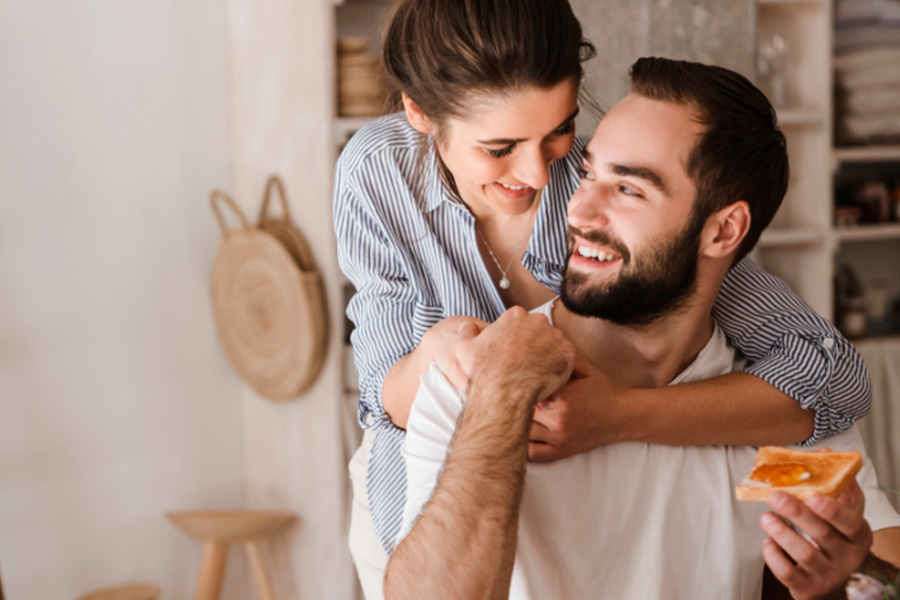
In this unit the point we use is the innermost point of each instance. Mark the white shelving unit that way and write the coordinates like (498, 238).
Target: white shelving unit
(798, 245)
(803, 245)
(865, 154)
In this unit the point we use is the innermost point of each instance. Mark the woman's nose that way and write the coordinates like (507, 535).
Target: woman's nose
(534, 168)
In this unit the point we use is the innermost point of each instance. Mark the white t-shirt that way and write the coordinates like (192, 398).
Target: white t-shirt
(627, 520)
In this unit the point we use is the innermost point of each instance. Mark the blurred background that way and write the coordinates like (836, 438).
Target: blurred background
(117, 402)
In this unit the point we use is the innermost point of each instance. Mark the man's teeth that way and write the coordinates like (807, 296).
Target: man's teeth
(596, 254)
(514, 187)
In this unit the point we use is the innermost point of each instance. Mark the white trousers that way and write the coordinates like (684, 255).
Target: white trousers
(368, 554)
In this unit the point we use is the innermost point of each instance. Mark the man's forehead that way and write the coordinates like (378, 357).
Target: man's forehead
(650, 139)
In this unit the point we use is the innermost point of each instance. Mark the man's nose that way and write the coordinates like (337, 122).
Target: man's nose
(587, 208)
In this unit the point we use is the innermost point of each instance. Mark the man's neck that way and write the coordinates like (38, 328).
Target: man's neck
(643, 356)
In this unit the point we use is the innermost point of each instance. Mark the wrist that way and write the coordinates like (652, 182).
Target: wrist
(879, 567)
(635, 419)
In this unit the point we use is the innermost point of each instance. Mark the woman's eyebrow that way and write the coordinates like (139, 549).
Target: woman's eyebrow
(507, 141)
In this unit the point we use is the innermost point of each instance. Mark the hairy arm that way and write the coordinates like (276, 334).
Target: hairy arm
(463, 544)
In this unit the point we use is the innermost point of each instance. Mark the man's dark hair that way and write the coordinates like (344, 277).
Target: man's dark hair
(742, 154)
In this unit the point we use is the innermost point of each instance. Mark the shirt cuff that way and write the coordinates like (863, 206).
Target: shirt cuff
(801, 365)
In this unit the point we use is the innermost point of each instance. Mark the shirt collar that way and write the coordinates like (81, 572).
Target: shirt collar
(438, 189)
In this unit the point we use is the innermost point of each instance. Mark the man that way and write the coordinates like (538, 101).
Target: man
(680, 179)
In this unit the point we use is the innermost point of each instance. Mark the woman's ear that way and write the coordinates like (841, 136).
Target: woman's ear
(415, 116)
(725, 230)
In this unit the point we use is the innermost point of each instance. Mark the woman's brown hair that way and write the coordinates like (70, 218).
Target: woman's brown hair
(442, 52)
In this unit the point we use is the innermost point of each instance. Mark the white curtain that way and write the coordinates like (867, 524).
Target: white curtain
(881, 428)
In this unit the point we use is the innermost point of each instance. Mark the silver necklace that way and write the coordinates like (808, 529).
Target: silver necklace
(504, 280)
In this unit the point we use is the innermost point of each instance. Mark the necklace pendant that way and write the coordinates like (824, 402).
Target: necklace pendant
(504, 283)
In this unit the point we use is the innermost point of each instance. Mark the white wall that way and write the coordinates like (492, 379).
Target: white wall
(282, 92)
(116, 403)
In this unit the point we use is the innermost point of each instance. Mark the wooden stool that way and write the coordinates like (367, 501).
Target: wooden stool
(131, 591)
(218, 528)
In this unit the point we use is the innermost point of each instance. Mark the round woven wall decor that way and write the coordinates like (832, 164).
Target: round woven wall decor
(268, 311)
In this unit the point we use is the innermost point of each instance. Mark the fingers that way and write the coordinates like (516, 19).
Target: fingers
(808, 557)
(539, 432)
(794, 578)
(543, 452)
(827, 521)
(838, 541)
(468, 329)
(846, 516)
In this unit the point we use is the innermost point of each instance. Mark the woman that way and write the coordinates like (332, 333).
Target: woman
(455, 208)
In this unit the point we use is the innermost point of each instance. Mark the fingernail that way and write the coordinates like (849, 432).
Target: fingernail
(777, 499)
(768, 519)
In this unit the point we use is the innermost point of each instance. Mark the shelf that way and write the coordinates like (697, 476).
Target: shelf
(799, 116)
(790, 3)
(867, 154)
(781, 237)
(866, 233)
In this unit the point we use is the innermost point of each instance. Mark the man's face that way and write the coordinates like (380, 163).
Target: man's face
(633, 238)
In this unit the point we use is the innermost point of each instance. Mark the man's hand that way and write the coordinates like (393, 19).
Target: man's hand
(581, 416)
(840, 539)
(520, 350)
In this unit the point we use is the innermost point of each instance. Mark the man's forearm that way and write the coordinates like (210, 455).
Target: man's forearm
(463, 545)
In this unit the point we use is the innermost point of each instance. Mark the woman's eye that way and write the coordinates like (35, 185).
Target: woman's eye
(499, 153)
(565, 129)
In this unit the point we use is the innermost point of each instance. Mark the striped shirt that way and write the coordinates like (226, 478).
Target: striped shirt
(408, 245)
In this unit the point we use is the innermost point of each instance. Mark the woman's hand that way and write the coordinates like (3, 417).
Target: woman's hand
(440, 345)
(582, 415)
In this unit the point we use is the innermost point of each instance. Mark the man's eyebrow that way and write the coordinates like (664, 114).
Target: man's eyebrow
(648, 175)
(508, 141)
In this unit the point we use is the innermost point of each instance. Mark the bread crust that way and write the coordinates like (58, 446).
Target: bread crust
(829, 473)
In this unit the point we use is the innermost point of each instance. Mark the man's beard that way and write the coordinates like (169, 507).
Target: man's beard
(658, 282)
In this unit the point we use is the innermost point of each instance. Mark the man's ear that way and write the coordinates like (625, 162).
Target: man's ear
(725, 230)
(415, 116)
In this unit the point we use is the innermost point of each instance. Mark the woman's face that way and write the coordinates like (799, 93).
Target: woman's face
(500, 153)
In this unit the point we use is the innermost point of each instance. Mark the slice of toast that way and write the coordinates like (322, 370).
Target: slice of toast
(800, 473)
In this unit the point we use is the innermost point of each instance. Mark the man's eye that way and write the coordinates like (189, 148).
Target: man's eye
(499, 153)
(585, 174)
(629, 192)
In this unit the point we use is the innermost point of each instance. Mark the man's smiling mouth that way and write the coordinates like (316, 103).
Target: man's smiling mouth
(596, 254)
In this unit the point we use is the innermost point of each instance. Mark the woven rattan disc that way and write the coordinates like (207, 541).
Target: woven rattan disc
(269, 313)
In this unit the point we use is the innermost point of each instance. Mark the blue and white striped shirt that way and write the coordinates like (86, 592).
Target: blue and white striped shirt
(408, 245)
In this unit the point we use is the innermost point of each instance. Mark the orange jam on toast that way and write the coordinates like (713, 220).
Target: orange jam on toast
(780, 475)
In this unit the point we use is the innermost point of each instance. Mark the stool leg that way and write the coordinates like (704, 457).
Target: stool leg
(215, 555)
(258, 566)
